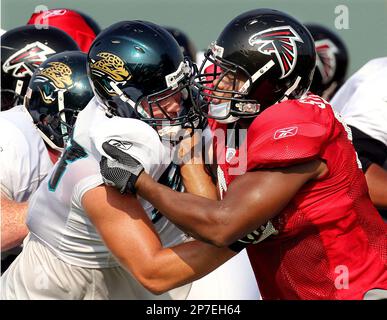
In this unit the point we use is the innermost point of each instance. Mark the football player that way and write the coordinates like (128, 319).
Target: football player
(331, 62)
(24, 158)
(24, 163)
(301, 207)
(34, 135)
(362, 102)
(79, 26)
(23, 49)
(84, 236)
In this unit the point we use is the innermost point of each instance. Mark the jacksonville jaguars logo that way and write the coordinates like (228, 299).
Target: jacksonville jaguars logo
(59, 77)
(282, 42)
(24, 62)
(59, 73)
(111, 65)
(326, 60)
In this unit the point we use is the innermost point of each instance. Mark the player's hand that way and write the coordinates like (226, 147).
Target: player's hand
(122, 172)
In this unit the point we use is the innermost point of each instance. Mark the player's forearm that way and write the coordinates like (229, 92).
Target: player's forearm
(197, 181)
(129, 234)
(173, 267)
(195, 178)
(198, 216)
(377, 185)
(13, 226)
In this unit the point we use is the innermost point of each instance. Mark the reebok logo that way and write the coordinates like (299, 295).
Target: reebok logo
(122, 145)
(285, 133)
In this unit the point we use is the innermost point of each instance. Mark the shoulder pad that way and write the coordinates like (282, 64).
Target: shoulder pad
(287, 133)
(136, 138)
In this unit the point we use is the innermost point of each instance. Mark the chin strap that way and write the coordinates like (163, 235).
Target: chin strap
(257, 75)
(48, 141)
(221, 110)
(126, 99)
(61, 106)
(290, 90)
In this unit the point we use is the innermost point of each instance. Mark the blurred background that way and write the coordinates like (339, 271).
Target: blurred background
(364, 32)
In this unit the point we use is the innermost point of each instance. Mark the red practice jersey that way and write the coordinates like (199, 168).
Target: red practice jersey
(330, 242)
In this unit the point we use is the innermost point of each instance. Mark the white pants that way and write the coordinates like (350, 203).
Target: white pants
(38, 274)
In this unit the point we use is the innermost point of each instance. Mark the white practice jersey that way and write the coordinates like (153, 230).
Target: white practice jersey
(24, 159)
(362, 100)
(56, 215)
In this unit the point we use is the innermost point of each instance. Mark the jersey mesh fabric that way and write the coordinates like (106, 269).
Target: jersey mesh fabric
(331, 242)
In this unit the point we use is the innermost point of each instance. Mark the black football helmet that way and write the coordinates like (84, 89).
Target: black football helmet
(186, 45)
(23, 49)
(332, 61)
(270, 50)
(57, 91)
(137, 63)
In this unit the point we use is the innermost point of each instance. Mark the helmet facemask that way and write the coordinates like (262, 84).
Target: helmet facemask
(152, 108)
(54, 128)
(236, 100)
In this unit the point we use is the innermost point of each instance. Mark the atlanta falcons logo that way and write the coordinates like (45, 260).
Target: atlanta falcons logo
(282, 42)
(26, 60)
(326, 60)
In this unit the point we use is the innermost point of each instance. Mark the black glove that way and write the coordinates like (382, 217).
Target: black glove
(122, 172)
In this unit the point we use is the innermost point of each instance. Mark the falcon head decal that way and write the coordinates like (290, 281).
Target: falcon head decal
(282, 42)
(326, 60)
(26, 60)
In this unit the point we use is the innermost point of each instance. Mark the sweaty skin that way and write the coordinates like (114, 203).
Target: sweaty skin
(140, 251)
(13, 223)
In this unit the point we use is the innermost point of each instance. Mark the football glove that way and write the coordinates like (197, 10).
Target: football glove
(122, 172)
